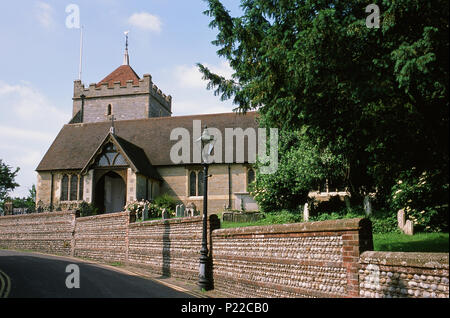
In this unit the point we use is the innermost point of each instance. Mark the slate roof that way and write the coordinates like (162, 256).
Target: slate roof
(136, 156)
(76, 143)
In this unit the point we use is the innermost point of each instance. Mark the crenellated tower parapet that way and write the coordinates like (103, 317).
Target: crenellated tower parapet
(130, 99)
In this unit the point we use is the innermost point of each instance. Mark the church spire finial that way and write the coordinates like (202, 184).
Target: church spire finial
(126, 58)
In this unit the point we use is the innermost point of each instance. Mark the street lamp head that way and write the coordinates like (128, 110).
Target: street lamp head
(206, 140)
(206, 137)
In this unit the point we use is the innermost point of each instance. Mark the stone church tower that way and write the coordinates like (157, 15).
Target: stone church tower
(122, 94)
(108, 164)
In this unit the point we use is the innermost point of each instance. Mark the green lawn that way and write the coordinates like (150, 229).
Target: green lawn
(420, 242)
(389, 242)
(227, 225)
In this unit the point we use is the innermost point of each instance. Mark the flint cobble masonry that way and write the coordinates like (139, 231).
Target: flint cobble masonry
(317, 259)
(397, 274)
(312, 259)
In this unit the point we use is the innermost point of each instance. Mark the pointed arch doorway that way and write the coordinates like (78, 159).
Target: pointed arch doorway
(110, 193)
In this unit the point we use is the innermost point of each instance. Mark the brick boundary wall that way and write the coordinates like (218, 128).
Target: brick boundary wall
(102, 237)
(169, 247)
(49, 232)
(315, 259)
(404, 274)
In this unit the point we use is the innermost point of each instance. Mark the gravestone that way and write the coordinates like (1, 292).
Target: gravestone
(408, 229)
(145, 213)
(165, 214)
(406, 226)
(401, 219)
(8, 208)
(178, 210)
(367, 206)
(305, 213)
(347, 202)
(190, 209)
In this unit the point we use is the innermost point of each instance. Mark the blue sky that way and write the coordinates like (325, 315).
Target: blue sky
(39, 59)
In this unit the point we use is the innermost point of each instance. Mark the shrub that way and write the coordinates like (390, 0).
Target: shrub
(301, 166)
(85, 209)
(282, 217)
(167, 202)
(382, 221)
(424, 198)
(384, 225)
(154, 211)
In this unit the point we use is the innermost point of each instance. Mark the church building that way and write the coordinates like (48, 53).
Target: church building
(117, 149)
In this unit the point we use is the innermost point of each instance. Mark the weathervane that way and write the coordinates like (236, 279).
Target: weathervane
(126, 58)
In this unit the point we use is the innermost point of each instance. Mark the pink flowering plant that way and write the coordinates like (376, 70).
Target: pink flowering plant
(154, 209)
(138, 207)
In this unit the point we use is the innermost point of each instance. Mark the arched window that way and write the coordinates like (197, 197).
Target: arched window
(250, 177)
(64, 188)
(200, 183)
(73, 187)
(109, 110)
(111, 157)
(192, 184)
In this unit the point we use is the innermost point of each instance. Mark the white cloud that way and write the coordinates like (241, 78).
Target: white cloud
(28, 103)
(145, 21)
(203, 105)
(8, 132)
(190, 93)
(44, 14)
(28, 124)
(190, 76)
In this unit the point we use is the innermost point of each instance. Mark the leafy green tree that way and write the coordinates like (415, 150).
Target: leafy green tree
(27, 202)
(377, 96)
(7, 177)
(302, 166)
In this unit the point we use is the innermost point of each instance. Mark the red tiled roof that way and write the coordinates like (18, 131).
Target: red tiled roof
(121, 74)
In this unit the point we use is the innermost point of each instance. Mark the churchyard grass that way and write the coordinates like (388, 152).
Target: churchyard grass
(419, 242)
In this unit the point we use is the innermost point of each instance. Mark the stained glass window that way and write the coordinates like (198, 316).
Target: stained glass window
(111, 157)
(119, 160)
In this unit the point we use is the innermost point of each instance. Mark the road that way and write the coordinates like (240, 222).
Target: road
(34, 275)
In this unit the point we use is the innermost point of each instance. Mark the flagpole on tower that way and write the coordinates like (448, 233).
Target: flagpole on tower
(81, 54)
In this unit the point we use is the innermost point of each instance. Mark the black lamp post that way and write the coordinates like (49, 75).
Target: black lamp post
(203, 280)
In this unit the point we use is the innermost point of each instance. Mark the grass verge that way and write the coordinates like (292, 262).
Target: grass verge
(419, 242)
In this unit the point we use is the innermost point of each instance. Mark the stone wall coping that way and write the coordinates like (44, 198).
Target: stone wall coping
(35, 215)
(303, 227)
(102, 216)
(406, 259)
(180, 220)
(167, 221)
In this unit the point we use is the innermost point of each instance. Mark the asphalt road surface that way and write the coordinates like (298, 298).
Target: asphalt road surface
(33, 275)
